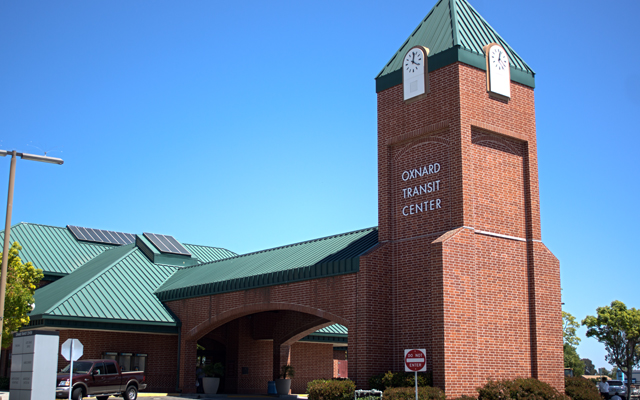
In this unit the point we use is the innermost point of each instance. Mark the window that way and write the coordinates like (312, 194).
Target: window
(111, 368)
(98, 369)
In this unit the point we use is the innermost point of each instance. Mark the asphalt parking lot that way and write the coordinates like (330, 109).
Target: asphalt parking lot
(163, 396)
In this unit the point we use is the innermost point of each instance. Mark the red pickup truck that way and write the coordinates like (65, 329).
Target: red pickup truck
(99, 378)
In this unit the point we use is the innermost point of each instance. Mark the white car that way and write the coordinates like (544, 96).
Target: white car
(617, 387)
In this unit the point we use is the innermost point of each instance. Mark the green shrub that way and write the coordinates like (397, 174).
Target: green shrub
(399, 379)
(519, 389)
(331, 389)
(409, 393)
(579, 388)
(214, 370)
(465, 397)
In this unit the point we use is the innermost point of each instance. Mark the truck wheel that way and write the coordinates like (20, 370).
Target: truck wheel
(77, 394)
(131, 393)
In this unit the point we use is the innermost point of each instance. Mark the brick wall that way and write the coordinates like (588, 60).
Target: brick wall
(162, 353)
(312, 361)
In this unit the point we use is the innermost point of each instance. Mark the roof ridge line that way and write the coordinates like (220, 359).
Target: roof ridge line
(209, 247)
(32, 223)
(413, 32)
(502, 41)
(102, 272)
(453, 12)
(281, 247)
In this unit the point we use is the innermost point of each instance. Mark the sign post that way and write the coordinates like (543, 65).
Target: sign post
(415, 360)
(71, 350)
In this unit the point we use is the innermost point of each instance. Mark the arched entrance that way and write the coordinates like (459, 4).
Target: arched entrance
(211, 350)
(254, 347)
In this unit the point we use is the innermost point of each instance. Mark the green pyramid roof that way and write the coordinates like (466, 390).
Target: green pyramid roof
(453, 31)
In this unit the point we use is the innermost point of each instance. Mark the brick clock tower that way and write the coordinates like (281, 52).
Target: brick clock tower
(459, 212)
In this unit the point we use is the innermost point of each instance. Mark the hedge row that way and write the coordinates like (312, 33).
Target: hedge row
(579, 388)
(399, 379)
(520, 388)
(398, 386)
(331, 389)
(409, 393)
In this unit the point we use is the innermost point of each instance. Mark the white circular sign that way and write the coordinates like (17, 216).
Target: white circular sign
(70, 344)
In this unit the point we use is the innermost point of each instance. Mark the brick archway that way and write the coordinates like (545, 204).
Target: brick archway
(300, 308)
(226, 316)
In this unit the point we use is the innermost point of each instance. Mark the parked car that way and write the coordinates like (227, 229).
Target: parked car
(635, 393)
(617, 387)
(99, 378)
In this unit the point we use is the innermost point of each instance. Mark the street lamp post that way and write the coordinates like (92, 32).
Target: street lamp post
(7, 226)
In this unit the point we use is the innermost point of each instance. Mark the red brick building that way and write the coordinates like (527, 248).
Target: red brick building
(456, 266)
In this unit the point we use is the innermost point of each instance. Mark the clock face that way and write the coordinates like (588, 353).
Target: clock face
(413, 61)
(414, 72)
(498, 59)
(498, 72)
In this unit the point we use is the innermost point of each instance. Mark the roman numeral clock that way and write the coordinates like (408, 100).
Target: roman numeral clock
(414, 73)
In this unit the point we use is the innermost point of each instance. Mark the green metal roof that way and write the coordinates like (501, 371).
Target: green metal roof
(335, 329)
(116, 286)
(113, 290)
(57, 252)
(453, 31)
(53, 249)
(333, 255)
(207, 254)
(336, 334)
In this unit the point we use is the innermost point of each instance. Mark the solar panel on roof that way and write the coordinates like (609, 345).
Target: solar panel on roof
(167, 244)
(101, 236)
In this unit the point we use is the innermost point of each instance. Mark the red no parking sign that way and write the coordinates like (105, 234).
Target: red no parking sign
(415, 360)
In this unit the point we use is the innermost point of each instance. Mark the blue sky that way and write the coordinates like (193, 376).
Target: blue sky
(248, 125)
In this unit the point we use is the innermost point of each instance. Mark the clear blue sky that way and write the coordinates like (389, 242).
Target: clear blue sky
(248, 125)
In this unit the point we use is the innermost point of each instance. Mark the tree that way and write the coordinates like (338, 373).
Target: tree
(603, 371)
(618, 328)
(22, 281)
(589, 368)
(614, 373)
(569, 327)
(572, 360)
(571, 341)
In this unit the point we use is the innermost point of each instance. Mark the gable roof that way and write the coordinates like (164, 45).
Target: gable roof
(57, 252)
(115, 288)
(101, 286)
(329, 256)
(53, 249)
(453, 31)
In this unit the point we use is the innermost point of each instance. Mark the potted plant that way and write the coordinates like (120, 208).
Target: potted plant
(212, 375)
(283, 385)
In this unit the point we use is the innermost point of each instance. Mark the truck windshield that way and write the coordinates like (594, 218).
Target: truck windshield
(79, 367)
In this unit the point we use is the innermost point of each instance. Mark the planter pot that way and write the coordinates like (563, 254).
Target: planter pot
(283, 386)
(210, 385)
